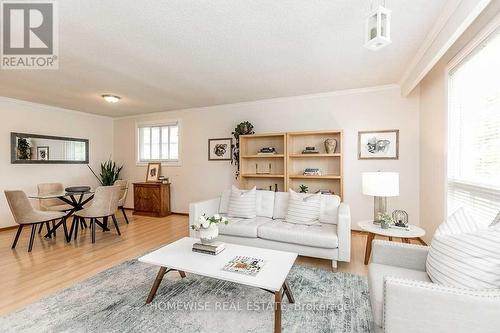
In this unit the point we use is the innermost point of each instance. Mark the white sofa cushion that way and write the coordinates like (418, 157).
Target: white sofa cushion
(303, 209)
(465, 254)
(376, 285)
(319, 235)
(224, 202)
(243, 203)
(280, 205)
(329, 209)
(264, 202)
(243, 227)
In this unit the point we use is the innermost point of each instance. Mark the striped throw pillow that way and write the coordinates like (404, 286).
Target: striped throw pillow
(465, 254)
(242, 203)
(303, 209)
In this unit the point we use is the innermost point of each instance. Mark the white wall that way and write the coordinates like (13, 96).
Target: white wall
(20, 116)
(355, 110)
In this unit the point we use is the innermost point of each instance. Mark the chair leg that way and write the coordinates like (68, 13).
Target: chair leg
(84, 223)
(124, 214)
(65, 227)
(18, 233)
(78, 221)
(40, 228)
(116, 224)
(54, 227)
(92, 227)
(104, 223)
(32, 237)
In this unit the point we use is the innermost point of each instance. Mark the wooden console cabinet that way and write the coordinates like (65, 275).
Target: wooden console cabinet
(152, 199)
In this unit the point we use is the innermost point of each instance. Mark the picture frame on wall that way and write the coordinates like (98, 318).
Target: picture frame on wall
(42, 153)
(378, 145)
(153, 172)
(220, 149)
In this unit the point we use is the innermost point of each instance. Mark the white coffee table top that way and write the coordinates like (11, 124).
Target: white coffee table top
(413, 232)
(179, 255)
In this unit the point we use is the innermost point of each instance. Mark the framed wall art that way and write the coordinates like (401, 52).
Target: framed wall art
(219, 149)
(378, 145)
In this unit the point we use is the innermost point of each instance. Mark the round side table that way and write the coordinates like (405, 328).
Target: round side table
(374, 229)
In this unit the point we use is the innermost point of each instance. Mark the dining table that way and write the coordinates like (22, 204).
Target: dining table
(77, 201)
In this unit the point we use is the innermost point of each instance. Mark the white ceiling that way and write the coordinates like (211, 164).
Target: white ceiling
(166, 55)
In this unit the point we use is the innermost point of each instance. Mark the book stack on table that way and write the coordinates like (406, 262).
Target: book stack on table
(213, 249)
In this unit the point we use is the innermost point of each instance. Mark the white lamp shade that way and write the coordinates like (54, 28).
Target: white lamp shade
(381, 184)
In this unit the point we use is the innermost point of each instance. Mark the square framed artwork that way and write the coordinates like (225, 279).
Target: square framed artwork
(153, 172)
(42, 153)
(378, 145)
(220, 149)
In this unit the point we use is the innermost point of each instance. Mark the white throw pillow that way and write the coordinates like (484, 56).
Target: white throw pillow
(242, 203)
(496, 220)
(465, 254)
(303, 209)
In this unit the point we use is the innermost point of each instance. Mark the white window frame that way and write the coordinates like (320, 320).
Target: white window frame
(450, 67)
(157, 123)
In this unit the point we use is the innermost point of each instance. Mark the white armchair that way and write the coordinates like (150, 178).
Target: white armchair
(404, 299)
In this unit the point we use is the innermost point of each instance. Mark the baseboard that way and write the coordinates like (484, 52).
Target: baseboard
(9, 228)
(173, 213)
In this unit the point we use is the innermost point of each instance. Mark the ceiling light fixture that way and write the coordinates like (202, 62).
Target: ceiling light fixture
(111, 98)
(378, 28)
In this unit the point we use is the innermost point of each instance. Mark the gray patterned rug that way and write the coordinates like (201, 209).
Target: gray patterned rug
(113, 301)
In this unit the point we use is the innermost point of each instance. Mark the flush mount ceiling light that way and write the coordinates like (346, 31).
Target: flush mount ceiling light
(111, 98)
(378, 28)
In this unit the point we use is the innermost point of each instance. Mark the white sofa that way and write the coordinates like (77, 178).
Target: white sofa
(404, 299)
(331, 239)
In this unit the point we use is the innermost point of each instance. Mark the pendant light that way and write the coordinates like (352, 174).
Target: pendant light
(378, 28)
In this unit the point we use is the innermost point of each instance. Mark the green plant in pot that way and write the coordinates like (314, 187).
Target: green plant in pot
(386, 220)
(110, 172)
(23, 148)
(242, 128)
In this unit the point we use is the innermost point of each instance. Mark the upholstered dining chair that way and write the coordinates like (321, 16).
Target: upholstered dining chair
(51, 204)
(104, 205)
(123, 195)
(25, 214)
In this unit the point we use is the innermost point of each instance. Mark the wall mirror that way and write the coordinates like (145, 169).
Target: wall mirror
(34, 148)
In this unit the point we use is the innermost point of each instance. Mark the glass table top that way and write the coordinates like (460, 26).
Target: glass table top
(59, 194)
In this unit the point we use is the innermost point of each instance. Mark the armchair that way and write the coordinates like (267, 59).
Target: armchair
(404, 299)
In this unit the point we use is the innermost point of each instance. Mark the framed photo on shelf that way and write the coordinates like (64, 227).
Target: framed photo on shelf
(378, 145)
(153, 172)
(220, 149)
(42, 153)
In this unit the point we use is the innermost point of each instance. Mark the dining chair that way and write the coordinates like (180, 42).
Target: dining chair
(104, 205)
(25, 214)
(123, 195)
(51, 204)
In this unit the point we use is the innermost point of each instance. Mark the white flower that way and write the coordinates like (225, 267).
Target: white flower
(216, 216)
(202, 220)
(224, 219)
(205, 224)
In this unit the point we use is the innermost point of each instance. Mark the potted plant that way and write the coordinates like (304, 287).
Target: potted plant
(109, 173)
(386, 220)
(23, 149)
(241, 129)
(207, 226)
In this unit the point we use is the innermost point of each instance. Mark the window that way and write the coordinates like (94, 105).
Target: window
(158, 142)
(474, 132)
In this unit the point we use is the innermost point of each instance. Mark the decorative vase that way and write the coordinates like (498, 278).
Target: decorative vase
(330, 145)
(385, 224)
(208, 235)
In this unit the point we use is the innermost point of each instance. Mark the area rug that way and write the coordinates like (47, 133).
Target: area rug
(114, 301)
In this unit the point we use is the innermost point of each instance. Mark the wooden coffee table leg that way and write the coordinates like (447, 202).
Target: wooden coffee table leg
(368, 249)
(288, 292)
(406, 240)
(277, 311)
(390, 238)
(183, 274)
(156, 284)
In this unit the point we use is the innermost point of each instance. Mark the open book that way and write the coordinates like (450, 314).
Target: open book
(246, 265)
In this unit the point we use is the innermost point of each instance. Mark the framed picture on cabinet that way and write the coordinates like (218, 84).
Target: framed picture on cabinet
(153, 172)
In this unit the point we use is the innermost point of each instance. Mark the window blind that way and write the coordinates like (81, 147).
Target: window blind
(474, 132)
(159, 142)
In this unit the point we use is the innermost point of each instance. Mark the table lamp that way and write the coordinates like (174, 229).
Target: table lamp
(380, 185)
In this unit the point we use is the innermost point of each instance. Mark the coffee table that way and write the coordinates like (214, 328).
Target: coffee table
(375, 229)
(178, 256)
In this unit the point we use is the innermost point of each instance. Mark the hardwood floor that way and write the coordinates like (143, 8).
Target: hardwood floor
(54, 264)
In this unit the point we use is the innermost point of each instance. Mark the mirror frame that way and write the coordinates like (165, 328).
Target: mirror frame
(13, 143)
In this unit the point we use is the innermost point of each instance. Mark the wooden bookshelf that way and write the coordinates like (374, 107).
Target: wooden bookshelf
(252, 165)
(331, 177)
(287, 166)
